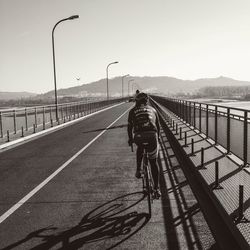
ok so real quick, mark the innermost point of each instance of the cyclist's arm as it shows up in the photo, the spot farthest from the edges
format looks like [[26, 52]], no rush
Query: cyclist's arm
[[130, 126]]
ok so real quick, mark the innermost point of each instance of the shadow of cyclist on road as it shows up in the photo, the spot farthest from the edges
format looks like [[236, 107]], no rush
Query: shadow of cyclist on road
[[101, 129]]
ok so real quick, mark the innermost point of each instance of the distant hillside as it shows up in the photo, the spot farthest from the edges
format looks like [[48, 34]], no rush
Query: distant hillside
[[159, 84], [15, 95]]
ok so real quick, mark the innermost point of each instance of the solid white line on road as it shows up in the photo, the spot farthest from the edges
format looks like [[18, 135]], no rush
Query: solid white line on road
[[41, 185]]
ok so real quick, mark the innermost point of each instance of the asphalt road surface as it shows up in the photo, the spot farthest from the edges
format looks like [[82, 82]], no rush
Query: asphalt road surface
[[75, 189]]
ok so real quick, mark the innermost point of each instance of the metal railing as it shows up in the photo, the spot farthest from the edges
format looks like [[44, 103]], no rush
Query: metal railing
[[28, 120], [225, 232], [227, 126]]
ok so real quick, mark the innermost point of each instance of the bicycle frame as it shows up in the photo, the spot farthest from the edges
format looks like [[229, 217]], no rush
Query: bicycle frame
[[147, 180]]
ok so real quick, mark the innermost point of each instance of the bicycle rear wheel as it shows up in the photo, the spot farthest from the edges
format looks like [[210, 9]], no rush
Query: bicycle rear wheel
[[151, 183]]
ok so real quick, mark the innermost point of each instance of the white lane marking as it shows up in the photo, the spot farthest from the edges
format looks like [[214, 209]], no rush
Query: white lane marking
[[36, 189]]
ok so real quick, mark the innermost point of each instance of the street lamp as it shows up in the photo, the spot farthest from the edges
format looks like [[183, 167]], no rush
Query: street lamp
[[54, 60], [108, 78], [122, 82], [129, 83]]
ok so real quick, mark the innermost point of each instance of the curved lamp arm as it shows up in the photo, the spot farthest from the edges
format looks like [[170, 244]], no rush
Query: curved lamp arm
[[108, 78], [54, 60]]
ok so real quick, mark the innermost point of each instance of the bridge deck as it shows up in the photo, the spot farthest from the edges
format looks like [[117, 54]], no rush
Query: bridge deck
[[94, 201]]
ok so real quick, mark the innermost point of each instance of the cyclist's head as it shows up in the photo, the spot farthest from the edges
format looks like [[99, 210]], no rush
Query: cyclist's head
[[141, 98], [137, 91]]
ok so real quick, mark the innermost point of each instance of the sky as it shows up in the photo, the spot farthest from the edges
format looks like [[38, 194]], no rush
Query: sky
[[184, 39]]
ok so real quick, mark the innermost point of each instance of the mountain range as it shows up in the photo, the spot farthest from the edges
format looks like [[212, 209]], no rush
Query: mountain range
[[157, 84], [15, 95]]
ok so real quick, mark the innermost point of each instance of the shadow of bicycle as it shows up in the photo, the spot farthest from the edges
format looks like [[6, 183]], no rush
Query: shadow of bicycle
[[112, 220]]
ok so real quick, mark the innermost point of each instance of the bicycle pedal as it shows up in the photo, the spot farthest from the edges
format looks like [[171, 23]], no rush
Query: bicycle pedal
[[156, 196]]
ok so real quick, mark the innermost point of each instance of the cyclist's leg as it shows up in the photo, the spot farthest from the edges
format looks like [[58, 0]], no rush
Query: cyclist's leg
[[153, 156], [155, 172], [139, 154]]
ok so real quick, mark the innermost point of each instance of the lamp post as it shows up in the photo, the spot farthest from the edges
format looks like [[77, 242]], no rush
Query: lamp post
[[54, 60], [129, 83], [122, 82], [107, 72]]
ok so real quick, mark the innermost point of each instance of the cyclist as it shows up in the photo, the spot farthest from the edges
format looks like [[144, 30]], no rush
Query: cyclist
[[136, 93], [143, 121]]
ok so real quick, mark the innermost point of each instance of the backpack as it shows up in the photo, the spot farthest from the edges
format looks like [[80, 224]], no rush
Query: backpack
[[144, 119]]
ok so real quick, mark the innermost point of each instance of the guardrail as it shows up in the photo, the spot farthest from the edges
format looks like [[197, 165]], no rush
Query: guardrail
[[26, 120], [225, 232], [227, 126]]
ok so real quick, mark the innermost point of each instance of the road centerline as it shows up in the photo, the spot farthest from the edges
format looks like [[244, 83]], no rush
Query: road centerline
[[10, 211]]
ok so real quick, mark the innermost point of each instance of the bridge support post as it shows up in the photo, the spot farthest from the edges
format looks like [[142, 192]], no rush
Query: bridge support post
[[8, 135], [217, 184], [14, 117], [241, 218], [228, 131], [22, 132], [185, 139], [192, 147], [43, 118], [1, 125], [202, 159], [26, 119], [180, 133], [245, 140]]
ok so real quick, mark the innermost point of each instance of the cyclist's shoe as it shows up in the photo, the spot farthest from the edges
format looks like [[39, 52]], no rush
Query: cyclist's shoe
[[157, 194], [138, 174]]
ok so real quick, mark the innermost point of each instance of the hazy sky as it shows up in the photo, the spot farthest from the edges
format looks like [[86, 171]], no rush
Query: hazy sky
[[187, 39]]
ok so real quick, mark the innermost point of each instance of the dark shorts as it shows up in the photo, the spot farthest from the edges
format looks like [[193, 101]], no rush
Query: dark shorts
[[149, 138]]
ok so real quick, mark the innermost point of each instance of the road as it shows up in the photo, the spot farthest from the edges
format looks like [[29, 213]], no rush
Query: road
[[75, 189]]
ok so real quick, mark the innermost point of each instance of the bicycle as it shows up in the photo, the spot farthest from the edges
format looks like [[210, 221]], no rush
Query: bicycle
[[147, 179]]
